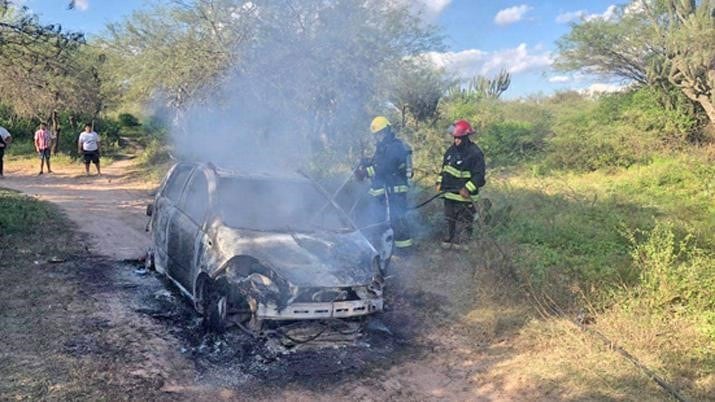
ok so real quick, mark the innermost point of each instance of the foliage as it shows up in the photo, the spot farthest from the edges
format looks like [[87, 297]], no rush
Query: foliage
[[673, 272], [616, 130], [44, 69], [417, 88], [480, 87], [317, 65], [128, 120], [663, 43], [511, 141], [23, 130], [690, 64], [571, 230], [179, 50]]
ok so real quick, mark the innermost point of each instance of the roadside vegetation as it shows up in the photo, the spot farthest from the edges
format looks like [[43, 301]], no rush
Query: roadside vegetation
[[603, 213]]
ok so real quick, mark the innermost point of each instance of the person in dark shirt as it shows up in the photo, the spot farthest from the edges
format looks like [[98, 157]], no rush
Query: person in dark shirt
[[462, 175], [389, 170]]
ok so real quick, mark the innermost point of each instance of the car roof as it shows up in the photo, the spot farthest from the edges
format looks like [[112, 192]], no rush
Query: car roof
[[224, 172]]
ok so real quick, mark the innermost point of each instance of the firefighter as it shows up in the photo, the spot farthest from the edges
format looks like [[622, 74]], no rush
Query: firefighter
[[389, 170], [462, 174]]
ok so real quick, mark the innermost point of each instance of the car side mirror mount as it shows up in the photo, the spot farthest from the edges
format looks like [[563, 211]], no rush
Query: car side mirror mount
[[149, 209]]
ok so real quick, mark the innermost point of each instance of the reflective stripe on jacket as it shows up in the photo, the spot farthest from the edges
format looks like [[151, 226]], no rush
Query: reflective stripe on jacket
[[388, 169], [462, 167]]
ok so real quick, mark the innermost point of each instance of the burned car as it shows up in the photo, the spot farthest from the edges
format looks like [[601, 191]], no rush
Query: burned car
[[246, 248]]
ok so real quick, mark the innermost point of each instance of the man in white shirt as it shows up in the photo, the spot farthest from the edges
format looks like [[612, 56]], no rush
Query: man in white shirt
[[5, 140], [88, 145]]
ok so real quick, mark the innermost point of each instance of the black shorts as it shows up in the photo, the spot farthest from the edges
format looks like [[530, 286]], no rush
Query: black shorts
[[91, 156]]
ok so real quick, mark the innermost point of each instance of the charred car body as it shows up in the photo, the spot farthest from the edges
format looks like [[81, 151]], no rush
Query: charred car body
[[251, 247]]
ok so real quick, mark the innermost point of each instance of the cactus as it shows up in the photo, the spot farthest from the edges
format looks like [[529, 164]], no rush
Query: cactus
[[480, 87], [690, 52]]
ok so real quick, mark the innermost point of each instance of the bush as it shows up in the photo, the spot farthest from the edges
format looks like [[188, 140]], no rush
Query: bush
[[617, 130], [128, 120], [510, 142], [673, 272]]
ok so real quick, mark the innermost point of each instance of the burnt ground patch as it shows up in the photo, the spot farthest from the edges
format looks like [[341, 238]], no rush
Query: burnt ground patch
[[87, 327], [280, 356]]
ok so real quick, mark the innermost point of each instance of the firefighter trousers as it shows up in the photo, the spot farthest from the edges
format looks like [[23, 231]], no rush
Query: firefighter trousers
[[398, 218], [460, 220]]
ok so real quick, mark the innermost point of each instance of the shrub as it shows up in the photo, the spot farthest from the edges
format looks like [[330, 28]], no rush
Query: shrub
[[510, 141], [673, 272], [128, 120]]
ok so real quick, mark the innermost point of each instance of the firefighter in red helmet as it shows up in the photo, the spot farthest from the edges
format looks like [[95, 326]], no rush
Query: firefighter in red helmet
[[462, 175]]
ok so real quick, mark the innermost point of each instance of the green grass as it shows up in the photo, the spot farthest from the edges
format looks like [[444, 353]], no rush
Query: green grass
[[21, 215], [30, 228], [636, 247], [571, 229]]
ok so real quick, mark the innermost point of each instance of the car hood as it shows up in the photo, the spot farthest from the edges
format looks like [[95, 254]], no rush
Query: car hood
[[321, 259]]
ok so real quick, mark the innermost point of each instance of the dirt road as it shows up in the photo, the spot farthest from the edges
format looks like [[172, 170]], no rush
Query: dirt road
[[110, 208], [153, 345]]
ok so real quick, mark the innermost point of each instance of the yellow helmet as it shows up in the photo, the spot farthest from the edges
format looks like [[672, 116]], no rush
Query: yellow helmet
[[379, 123]]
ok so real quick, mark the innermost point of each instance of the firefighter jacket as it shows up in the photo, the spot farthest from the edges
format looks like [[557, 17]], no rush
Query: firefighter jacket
[[462, 167], [388, 168]]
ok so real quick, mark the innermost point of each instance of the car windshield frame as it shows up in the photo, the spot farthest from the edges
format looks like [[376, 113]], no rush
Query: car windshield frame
[[263, 205]]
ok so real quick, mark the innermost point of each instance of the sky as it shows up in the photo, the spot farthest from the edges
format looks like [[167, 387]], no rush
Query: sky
[[481, 36]]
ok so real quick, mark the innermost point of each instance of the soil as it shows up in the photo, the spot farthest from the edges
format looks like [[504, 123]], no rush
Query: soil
[[102, 327]]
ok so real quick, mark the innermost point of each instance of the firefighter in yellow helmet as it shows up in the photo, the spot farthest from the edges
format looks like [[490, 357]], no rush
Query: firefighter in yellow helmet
[[389, 170]]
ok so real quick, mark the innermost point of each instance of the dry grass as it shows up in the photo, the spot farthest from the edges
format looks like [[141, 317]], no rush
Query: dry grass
[[59, 162]]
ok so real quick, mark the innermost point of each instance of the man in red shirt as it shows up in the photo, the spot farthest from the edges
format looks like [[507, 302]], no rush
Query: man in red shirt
[[43, 142]]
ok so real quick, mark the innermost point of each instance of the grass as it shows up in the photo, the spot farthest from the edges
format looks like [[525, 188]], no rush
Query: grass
[[635, 247], [26, 222]]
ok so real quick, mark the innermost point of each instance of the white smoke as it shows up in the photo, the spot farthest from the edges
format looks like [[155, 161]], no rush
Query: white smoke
[[304, 84]]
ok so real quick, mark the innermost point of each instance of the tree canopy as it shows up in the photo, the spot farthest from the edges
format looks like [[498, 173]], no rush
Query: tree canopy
[[652, 42]]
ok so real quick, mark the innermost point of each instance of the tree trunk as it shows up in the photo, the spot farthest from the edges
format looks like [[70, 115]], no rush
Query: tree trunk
[[703, 100], [56, 129]]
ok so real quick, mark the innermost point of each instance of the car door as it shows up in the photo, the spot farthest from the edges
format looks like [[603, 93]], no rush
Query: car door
[[165, 206], [186, 229]]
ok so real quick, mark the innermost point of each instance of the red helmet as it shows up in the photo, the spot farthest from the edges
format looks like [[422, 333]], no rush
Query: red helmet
[[461, 128]]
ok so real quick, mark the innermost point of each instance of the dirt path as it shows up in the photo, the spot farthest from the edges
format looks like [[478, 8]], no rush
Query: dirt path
[[431, 354], [109, 208]]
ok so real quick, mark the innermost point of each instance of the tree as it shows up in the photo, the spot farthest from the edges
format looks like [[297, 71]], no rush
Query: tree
[[311, 69], [690, 51], [45, 70], [176, 52], [663, 43], [417, 88]]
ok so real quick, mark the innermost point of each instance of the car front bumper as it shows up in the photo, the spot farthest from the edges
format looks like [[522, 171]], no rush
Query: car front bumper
[[311, 311]]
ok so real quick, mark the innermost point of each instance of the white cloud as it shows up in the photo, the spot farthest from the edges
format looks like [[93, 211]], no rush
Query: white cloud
[[435, 6], [581, 15], [471, 62], [601, 88], [608, 15], [559, 78], [569, 16], [81, 5], [511, 15]]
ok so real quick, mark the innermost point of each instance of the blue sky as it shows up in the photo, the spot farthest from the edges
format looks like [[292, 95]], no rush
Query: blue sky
[[482, 36]]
